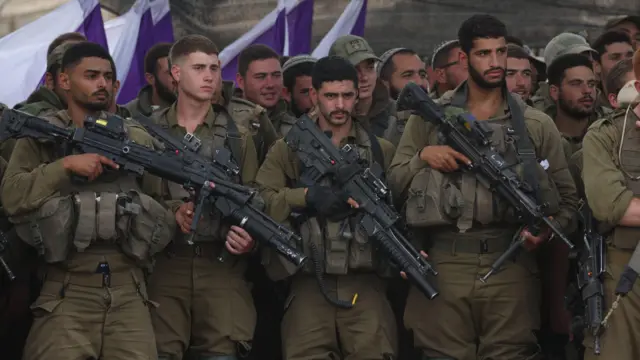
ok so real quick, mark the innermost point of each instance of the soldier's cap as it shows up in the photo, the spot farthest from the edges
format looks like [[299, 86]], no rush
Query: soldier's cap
[[297, 60], [563, 44], [445, 45], [55, 58], [353, 48], [622, 19], [636, 64], [384, 59]]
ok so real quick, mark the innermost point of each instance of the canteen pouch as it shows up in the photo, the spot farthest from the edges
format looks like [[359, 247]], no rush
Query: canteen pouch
[[433, 199], [49, 229]]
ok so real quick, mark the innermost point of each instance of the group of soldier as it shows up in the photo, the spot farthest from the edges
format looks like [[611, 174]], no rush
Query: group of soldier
[[109, 268]]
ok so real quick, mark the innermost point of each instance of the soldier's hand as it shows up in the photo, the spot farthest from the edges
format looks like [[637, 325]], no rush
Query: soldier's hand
[[87, 165], [424, 255], [532, 242], [184, 217], [443, 158], [239, 241]]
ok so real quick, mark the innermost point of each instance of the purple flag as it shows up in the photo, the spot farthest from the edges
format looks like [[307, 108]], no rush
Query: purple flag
[[299, 21], [272, 36], [358, 27], [93, 27], [162, 22], [135, 79]]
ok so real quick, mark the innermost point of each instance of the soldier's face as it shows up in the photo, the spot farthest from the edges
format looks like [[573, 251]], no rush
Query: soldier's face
[[262, 84], [614, 53], [577, 93], [300, 97], [519, 77], [89, 83], [163, 83], [487, 62], [453, 73], [407, 68], [197, 75], [335, 101], [367, 78]]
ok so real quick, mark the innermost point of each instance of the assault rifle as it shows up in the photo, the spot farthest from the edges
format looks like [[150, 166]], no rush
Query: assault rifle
[[320, 158], [209, 180], [592, 266], [472, 139]]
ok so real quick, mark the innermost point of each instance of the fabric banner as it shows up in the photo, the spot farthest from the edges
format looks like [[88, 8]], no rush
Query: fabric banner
[[351, 22], [299, 27], [24, 51]]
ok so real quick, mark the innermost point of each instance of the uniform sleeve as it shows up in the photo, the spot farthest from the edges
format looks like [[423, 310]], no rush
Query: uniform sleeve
[[250, 163], [269, 134], [549, 146], [406, 162], [272, 182], [604, 183], [30, 179]]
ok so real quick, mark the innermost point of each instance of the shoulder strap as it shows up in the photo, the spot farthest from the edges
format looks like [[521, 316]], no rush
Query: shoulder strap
[[376, 149], [524, 146], [234, 140]]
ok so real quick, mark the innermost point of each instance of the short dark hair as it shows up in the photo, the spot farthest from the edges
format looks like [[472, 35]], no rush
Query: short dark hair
[[441, 58], [514, 40], [283, 59], [556, 71], [289, 77], [77, 52], [615, 78], [389, 67], [333, 68], [61, 39], [481, 26], [190, 44], [253, 53], [157, 52], [606, 39], [515, 51]]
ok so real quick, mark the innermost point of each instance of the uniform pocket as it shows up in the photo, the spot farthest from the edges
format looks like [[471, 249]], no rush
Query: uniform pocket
[[434, 199]]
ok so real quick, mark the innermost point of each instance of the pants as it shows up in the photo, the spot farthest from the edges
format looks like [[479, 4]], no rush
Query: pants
[[621, 339], [205, 306], [313, 329], [76, 317], [470, 320]]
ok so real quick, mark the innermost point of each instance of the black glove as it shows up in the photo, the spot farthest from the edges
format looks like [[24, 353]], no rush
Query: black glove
[[328, 202]]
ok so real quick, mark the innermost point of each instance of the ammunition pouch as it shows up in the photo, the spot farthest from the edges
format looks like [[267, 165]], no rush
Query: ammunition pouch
[[433, 200]]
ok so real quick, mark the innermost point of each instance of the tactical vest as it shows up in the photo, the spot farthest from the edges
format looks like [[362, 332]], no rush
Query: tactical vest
[[223, 135], [458, 199], [344, 245], [628, 162], [109, 212], [249, 115]]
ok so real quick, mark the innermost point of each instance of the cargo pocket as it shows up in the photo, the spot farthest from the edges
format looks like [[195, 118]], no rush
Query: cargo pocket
[[48, 301], [242, 317], [433, 200]]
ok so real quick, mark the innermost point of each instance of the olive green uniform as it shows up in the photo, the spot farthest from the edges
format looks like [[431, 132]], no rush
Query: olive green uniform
[[254, 117], [470, 319], [281, 118], [95, 238], [397, 123], [381, 111], [313, 328], [142, 105], [205, 305], [542, 101], [610, 183]]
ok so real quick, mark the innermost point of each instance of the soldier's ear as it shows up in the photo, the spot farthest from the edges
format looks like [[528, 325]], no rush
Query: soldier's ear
[[175, 72], [240, 81], [637, 85], [151, 80], [286, 94], [64, 81], [313, 95], [463, 58], [49, 80], [613, 100], [554, 92]]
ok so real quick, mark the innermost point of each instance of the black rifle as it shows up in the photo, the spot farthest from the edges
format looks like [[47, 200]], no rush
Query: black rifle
[[472, 139], [320, 158], [4, 246], [208, 179], [591, 269]]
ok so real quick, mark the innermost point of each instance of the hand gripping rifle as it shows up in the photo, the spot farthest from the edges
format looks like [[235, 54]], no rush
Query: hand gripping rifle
[[472, 139], [321, 158], [209, 180]]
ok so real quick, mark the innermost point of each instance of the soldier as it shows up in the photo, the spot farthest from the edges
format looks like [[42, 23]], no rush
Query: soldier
[[260, 109], [159, 93], [448, 70], [399, 66], [474, 226], [620, 75], [374, 108], [205, 305], [313, 327], [519, 72], [114, 108], [297, 84], [611, 47], [629, 24], [93, 303], [610, 178]]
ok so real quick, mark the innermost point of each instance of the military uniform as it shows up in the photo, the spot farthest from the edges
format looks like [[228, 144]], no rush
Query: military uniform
[[205, 305], [312, 327], [142, 104], [254, 117], [471, 230], [397, 123], [281, 118], [610, 171], [95, 238], [380, 113], [542, 101]]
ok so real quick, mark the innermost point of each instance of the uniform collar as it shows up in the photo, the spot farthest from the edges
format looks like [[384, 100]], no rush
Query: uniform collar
[[172, 116]]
